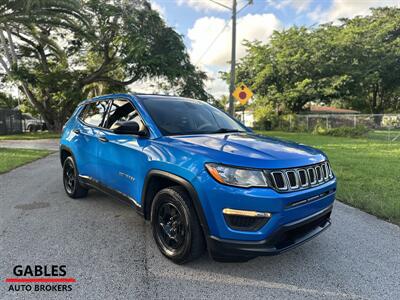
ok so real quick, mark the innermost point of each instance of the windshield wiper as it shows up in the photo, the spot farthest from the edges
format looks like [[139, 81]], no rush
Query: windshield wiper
[[226, 130]]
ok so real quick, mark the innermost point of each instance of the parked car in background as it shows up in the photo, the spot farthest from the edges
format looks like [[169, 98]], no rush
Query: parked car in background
[[32, 124], [202, 178]]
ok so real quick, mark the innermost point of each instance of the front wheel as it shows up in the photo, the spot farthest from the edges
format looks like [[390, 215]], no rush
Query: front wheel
[[175, 225], [72, 186]]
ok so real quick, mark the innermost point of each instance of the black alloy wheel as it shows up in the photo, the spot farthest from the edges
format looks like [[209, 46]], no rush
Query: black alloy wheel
[[171, 227], [69, 177], [175, 225], [72, 186]]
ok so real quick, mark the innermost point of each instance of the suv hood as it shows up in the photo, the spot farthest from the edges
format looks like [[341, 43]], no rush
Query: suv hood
[[248, 150]]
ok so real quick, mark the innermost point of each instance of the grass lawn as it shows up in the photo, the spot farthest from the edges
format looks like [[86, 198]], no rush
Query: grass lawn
[[12, 158], [30, 136], [385, 135], [368, 171]]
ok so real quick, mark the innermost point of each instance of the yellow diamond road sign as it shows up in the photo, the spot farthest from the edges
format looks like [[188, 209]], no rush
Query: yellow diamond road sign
[[242, 93]]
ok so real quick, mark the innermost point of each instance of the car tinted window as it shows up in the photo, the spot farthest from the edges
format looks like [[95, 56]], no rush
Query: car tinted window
[[93, 113], [175, 116], [122, 110]]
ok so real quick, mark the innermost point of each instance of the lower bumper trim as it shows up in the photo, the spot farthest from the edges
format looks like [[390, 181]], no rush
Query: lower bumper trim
[[285, 238]]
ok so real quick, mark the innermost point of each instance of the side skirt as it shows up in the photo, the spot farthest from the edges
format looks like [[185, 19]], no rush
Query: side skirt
[[90, 182]]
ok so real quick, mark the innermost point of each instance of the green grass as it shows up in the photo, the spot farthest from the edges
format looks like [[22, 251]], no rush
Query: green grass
[[30, 136], [368, 171], [385, 135], [12, 158]]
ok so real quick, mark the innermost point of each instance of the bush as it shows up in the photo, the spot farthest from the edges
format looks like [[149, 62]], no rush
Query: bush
[[354, 132], [266, 118]]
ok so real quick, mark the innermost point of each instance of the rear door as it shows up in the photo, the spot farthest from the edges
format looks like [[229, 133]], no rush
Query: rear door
[[121, 157], [87, 134]]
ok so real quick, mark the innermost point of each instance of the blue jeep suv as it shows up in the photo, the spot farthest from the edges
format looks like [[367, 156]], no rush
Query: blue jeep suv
[[203, 179]]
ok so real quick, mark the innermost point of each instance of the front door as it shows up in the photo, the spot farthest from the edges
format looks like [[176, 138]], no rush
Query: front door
[[121, 158], [86, 137]]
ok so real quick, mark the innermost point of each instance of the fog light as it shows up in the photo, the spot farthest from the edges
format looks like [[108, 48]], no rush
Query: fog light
[[246, 213], [245, 220]]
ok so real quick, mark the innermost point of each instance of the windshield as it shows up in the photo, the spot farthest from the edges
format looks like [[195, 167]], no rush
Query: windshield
[[180, 116]]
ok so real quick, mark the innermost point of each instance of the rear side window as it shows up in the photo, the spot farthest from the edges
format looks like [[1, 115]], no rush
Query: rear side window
[[93, 113]]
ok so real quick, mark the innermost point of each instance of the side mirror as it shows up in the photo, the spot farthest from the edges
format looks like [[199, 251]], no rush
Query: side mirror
[[128, 127]]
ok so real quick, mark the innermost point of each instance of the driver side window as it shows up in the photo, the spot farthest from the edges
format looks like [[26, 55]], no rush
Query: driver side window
[[122, 110]]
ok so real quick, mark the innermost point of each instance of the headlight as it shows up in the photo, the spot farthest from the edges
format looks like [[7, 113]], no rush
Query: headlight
[[236, 176]]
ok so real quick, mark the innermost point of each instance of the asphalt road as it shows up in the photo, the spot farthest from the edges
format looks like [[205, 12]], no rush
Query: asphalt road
[[109, 249]]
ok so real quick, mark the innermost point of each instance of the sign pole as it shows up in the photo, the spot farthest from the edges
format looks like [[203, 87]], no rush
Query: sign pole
[[233, 61]]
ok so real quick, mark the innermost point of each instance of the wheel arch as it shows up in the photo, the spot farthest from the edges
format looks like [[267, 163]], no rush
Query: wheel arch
[[64, 153], [158, 179]]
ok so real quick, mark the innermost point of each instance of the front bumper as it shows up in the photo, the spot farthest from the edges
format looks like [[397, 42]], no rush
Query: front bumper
[[284, 238], [284, 208]]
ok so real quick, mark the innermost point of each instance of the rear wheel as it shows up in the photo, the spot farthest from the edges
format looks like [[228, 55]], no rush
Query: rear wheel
[[72, 186], [176, 228]]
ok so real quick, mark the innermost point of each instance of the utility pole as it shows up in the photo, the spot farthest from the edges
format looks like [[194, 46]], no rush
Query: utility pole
[[231, 109], [233, 61]]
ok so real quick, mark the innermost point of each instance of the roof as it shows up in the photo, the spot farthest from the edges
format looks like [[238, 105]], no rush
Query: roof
[[314, 109], [137, 95]]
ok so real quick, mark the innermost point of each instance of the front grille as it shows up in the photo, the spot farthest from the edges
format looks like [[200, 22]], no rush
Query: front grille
[[300, 178]]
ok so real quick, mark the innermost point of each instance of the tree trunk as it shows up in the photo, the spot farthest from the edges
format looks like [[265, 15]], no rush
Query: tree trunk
[[53, 122]]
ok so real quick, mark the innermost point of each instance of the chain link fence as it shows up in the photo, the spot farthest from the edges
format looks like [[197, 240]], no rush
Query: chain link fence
[[10, 121], [377, 126]]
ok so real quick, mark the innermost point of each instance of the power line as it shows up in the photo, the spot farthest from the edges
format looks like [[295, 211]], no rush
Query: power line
[[243, 7], [219, 34], [220, 4], [212, 43]]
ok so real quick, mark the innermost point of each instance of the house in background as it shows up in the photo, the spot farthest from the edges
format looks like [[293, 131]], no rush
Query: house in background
[[246, 117]]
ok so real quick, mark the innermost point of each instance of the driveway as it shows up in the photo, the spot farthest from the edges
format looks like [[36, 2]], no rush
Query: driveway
[[110, 251], [46, 144]]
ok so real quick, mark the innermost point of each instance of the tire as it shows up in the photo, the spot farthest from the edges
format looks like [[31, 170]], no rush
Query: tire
[[30, 128], [175, 225], [72, 186]]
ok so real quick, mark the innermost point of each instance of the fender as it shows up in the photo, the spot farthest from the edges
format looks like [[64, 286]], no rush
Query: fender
[[63, 147], [181, 181]]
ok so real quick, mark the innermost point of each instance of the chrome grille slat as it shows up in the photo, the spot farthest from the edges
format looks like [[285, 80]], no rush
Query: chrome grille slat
[[318, 171], [325, 170], [304, 172], [292, 175], [276, 177], [301, 178], [313, 178]]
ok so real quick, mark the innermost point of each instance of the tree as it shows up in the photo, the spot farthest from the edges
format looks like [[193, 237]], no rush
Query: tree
[[372, 60], [356, 63], [7, 101], [60, 63], [19, 15]]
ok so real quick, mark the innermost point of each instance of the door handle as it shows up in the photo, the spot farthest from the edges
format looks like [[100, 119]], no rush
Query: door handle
[[103, 139], [76, 131]]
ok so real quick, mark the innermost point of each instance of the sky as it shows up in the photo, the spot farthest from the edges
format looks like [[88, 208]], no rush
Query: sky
[[206, 26]]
